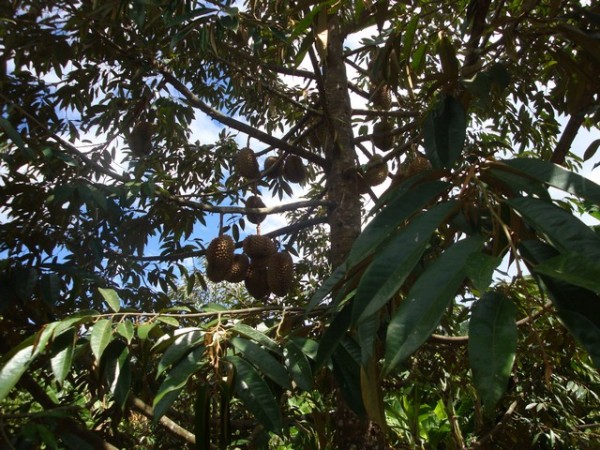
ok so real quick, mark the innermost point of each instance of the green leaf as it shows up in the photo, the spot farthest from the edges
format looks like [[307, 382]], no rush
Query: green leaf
[[261, 338], [480, 269], [256, 395], [578, 308], [126, 330], [117, 369], [556, 176], [61, 355], [112, 298], [400, 208], [346, 368], [298, 365], [168, 320], [12, 133], [561, 228], [100, 337], [444, 131], [175, 381], [144, 329], [591, 150], [371, 392], [420, 313], [492, 346], [388, 271], [263, 360], [181, 345], [14, 368], [202, 417], [333, 334], [573, 268], [338, 275]]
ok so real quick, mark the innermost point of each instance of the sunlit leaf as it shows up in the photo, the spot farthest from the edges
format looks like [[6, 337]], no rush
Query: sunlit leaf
[[112, 298], [263, 360], [100, 336], [61, 355]]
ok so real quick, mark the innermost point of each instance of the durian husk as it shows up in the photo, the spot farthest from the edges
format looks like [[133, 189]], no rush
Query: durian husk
[[294, 170], [381, 139], [239, 268], [277, 171], [382, 97], [256, 246], [140, 139], [416, 165], [256, 281], [377, 171], [247, 164], [219, 257], [280, 273], [254, 201]]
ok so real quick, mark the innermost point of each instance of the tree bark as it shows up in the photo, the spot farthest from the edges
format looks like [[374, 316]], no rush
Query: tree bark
[[351, 431]]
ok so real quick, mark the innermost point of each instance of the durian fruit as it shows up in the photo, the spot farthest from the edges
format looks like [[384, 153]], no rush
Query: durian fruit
[[254, 201], [417, 164], [280, 273], [277, 171], [247, 164], [319, 135], [219, 257], [382, 97], [256, 281], [377, 171], [294, 170], [381, 139], [239, 268], [140, 139], [257, 247]]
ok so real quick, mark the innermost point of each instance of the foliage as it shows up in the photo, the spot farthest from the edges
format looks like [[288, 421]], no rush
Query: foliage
[[455, 306]]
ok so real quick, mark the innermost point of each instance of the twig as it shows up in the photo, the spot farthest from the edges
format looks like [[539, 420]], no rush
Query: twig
[[509, 412], [169, 424]]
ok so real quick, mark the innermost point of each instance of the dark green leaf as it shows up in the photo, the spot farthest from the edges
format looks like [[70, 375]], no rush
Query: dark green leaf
[[202, 418], [338, 275], [390, 267], [573, 268], [257, 336], [444, 132], [561, 228], [591, 150], [298, 365], [117, 370], [492, 346], [256, 395], [480, 269], [175, 381], [263, 360], [331, 338], [346, 368], [420, 313]]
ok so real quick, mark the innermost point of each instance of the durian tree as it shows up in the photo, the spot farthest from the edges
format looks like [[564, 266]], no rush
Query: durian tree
[[435, 284]]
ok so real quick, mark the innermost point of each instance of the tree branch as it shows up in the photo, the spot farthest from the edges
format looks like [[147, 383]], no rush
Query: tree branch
[[236, 124], [169, 424], [566, 139], [509, 412]]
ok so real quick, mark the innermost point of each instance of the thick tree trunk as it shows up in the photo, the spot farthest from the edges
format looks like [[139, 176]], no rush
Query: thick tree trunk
[[351, 431]]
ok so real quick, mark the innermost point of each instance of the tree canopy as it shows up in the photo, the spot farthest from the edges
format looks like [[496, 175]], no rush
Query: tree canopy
[[299, 224]]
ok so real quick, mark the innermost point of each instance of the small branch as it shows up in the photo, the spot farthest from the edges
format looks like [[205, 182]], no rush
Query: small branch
[[566, 139], [383, 113], [174, 428], [509, 412]]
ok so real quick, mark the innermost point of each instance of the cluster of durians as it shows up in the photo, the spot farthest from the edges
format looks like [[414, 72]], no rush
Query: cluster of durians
[[261, 267], [291, 167]]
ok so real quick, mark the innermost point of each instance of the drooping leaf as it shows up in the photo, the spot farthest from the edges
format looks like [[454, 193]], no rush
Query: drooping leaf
[[61, 355], [480, 269], [573, 268], [338, 275], [372, 394], [202, 418], [578, 308], [346, 367], [332, 336], [261, 338], [176, 379], [263, 360], [564, 231], [492, 346], [420, 313], [14, 368], [112, 298], [100, 336], [256, 395], [180, 346], [556, 176], [388, 271], [117, 369], [444, 131], [298, 365]]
